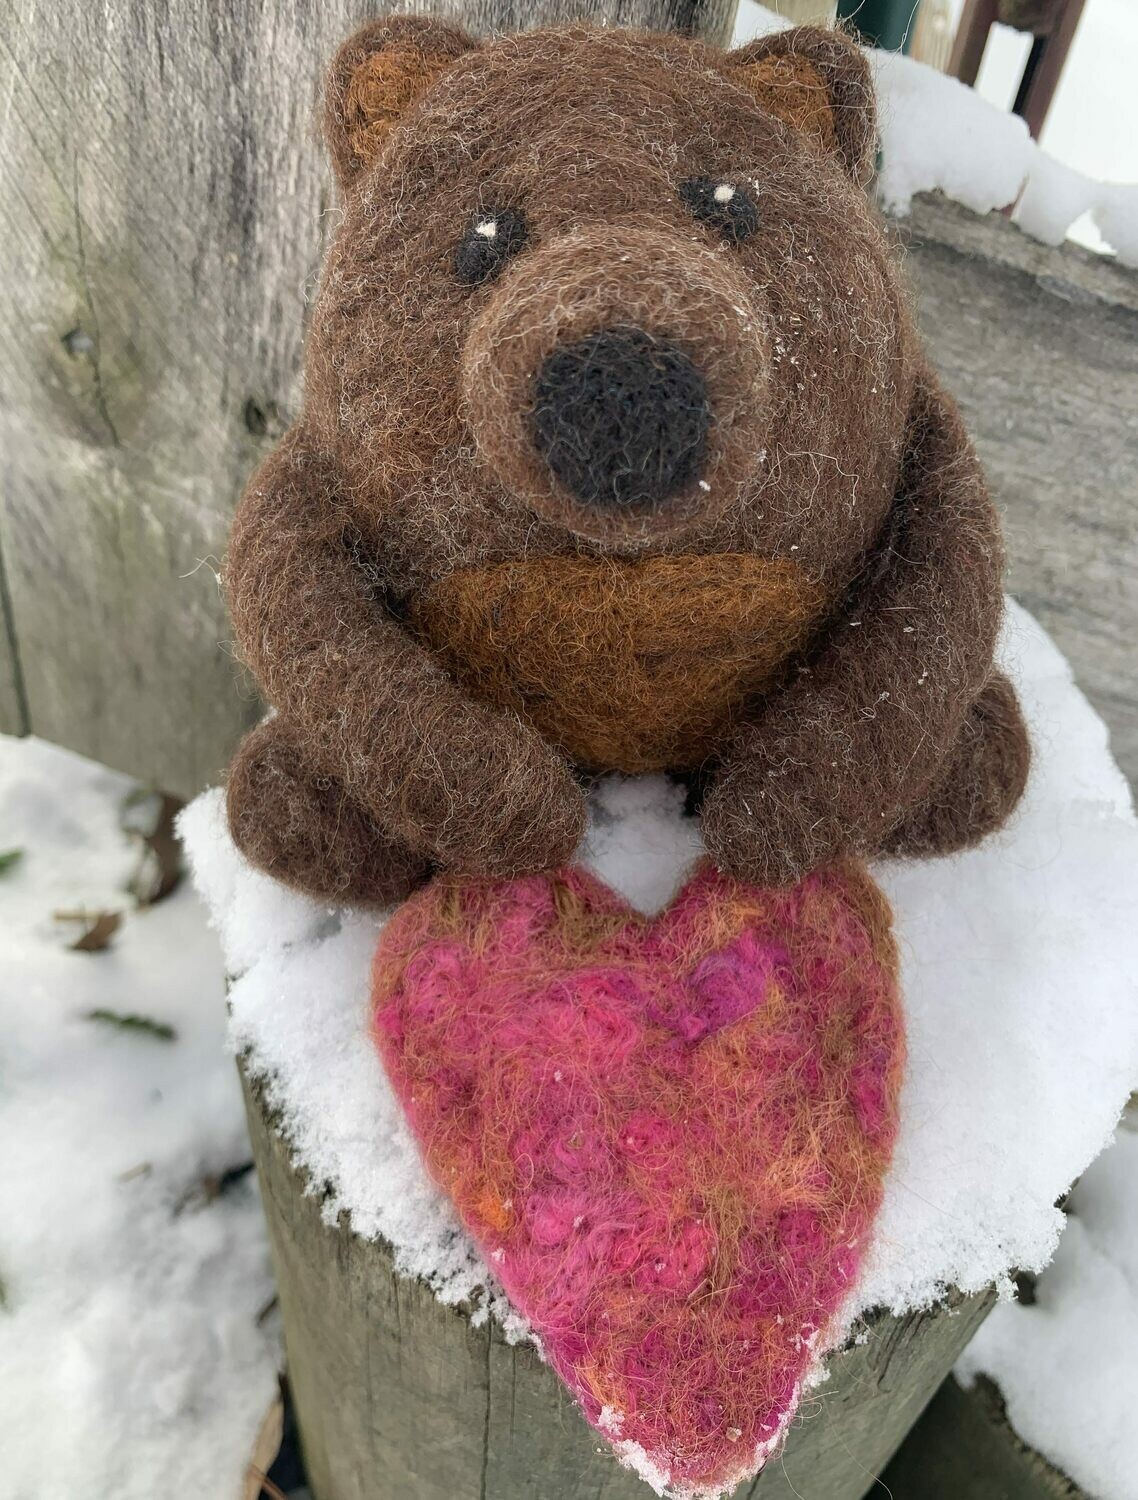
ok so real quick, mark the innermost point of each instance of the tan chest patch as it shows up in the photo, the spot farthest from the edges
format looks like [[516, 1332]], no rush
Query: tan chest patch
[[627, 666]]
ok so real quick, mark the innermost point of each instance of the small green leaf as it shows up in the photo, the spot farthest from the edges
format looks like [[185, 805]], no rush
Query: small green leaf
[[10, 857], [149, 1027]]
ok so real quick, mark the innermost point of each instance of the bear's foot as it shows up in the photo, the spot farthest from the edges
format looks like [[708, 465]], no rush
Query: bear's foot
[[303, 828], [979, 785]]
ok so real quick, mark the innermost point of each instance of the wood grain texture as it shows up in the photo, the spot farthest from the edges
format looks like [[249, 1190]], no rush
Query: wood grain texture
[[805, 12], [712, 19], [13, 704], [163, 205], [154, 172], [964, 1448], [1040, 348], [397, 1395]]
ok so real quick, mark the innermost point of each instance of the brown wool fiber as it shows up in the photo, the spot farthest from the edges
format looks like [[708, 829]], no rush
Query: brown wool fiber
[[466, 576], [627, 666]]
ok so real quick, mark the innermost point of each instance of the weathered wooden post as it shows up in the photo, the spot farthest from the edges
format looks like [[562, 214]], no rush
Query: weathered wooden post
[[399, 1396]]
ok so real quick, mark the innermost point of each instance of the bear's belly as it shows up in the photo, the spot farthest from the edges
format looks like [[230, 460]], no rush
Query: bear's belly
[[626, 665]]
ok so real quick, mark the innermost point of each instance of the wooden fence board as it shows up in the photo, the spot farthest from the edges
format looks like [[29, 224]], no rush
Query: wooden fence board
[[13, 709], [1040, 347], [157, 164]]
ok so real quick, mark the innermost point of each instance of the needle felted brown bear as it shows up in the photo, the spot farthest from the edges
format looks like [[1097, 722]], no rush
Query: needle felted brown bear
[[619, 452]]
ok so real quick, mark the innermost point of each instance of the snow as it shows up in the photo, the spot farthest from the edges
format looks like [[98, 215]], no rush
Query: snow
[[938, 134], [1066, 1364], [300, 1006], [131, 1361], [1018, 974]]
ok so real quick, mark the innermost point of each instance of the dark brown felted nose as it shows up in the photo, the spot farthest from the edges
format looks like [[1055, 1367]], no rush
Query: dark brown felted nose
[[622, 418]]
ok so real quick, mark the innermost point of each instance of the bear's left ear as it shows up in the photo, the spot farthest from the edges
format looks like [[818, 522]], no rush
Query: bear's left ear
[[819, 82], [377, 75]]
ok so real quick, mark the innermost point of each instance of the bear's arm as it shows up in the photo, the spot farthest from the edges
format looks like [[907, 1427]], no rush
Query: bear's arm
[[832, 763], [472, 787]]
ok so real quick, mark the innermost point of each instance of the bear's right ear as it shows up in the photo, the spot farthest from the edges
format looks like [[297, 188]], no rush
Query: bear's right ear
[[377, 75], [818, 81]]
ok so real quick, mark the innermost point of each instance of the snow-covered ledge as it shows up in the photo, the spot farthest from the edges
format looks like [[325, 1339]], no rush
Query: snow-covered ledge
[[939, 135], [1019, 964]]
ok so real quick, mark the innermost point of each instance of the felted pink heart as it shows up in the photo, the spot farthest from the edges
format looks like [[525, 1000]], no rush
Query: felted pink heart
[[667, 1136]]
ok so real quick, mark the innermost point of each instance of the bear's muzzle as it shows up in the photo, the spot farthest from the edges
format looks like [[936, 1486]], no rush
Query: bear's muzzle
[[616, 381]]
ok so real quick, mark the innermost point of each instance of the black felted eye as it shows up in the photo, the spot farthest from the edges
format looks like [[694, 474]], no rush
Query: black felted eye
[[722, 206], [488, 244]]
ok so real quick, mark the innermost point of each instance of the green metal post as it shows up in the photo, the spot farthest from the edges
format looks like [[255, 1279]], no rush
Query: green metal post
[[881, 23]]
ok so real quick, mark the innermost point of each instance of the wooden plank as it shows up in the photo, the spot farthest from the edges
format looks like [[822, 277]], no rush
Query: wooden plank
[[156, 171], [1040, 347], [964, 1448], [976, 21], [163, 201], [13, 706], [712, 19], [397, 1395], [805, 12]]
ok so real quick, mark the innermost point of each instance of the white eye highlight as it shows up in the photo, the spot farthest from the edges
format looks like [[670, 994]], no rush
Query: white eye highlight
[[732, 210], [490, 240]]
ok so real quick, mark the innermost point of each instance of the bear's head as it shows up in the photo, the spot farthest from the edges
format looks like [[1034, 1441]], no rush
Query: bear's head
[[613, 361]]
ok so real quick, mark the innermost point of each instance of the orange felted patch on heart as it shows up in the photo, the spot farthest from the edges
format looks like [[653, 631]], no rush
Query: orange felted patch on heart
[[667, 1135]]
